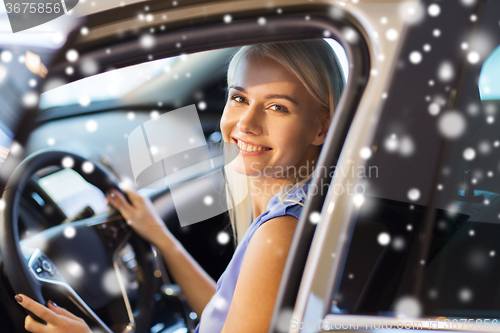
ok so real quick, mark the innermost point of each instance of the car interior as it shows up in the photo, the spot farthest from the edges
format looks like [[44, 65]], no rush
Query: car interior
[[425, 234], [76, 245]]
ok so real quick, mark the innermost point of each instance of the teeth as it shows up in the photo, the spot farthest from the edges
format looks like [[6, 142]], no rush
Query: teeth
[[247, 147]]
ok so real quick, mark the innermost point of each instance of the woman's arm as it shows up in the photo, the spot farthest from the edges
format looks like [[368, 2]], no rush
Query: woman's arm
[[195, 283], [260, 275]]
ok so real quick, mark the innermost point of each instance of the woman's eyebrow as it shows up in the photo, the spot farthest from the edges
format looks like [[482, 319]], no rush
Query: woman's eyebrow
[[237, 88], [288, 98]]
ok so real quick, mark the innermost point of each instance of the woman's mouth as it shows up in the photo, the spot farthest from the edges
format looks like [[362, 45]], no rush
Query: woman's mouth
[[248, 147]]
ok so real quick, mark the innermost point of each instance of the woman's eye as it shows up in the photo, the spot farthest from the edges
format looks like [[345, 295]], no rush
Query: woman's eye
[[238, 99], [279, 108]]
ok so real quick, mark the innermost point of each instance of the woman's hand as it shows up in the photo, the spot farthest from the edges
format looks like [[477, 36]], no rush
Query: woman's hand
[[140, 215], [58, 320], [195, 283]]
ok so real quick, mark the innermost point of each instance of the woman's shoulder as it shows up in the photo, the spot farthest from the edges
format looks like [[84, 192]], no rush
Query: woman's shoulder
[[288, 202]]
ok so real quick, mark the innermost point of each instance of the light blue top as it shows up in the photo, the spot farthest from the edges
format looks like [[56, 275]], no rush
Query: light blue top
[[214, 314]]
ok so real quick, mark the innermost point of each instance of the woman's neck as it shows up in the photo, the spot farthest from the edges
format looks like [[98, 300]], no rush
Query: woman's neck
[[262, 189]]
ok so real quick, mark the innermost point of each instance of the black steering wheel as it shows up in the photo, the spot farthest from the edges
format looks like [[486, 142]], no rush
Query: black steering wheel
[[48, 259]]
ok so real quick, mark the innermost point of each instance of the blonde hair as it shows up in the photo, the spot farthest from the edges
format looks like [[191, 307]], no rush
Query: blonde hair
[[316, 65]]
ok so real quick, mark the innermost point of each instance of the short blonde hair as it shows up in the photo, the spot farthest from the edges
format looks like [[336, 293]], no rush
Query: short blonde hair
[[316, 65]]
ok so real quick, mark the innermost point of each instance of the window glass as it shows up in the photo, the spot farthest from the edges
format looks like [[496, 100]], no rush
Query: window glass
[[134, 95], [126, 84]]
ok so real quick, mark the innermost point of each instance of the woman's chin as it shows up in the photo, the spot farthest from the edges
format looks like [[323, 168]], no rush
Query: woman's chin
[[246, 170]]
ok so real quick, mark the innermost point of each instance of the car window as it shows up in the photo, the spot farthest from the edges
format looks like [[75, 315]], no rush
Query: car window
[[115, 84], [425, 236], [132, 96], [134, 84]]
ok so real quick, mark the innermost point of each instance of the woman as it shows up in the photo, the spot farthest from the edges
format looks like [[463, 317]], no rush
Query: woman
[[280, 104]]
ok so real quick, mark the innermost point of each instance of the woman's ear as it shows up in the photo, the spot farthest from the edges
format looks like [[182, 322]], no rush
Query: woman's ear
[[323, 126]]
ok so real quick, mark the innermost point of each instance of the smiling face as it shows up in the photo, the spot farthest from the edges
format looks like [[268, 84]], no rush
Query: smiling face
[[273, 119]]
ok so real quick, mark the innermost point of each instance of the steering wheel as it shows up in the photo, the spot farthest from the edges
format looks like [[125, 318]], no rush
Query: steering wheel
[[42, 261]]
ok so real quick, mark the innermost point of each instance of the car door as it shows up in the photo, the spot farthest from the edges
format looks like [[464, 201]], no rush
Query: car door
[[415, 247], [177, 28]]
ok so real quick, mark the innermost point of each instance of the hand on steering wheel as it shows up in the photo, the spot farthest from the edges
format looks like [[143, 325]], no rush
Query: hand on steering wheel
[[58, 320], [139, 214], [142, 217], [39, 261]]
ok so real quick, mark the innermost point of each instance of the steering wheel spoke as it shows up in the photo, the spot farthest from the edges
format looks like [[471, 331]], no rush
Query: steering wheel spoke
[[43, 268], [102, 235], [47, 274]]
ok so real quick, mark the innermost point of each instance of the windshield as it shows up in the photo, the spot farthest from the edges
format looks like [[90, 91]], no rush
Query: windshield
[[115, 84]]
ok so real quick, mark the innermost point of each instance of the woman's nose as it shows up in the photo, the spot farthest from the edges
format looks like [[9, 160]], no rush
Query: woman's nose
[[250, 121]]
